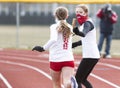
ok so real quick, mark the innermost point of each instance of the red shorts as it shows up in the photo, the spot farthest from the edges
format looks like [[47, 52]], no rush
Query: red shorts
[[57, 66]]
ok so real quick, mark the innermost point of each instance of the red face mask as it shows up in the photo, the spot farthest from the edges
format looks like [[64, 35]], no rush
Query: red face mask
[[81, 19]]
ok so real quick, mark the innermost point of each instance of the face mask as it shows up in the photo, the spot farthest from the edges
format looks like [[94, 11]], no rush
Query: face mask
[[81, 19]]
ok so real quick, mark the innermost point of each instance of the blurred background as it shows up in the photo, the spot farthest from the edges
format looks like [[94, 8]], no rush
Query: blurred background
[[24, 24]]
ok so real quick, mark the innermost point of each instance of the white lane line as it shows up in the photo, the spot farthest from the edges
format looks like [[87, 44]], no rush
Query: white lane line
[[44, 55], [5, 81], [112, 60], [27, 66], [1, 49], [44, 61], [95, 76], [102, 79], [109, 65], [105, 64], [30, 67], [24, 59], [108, 82]]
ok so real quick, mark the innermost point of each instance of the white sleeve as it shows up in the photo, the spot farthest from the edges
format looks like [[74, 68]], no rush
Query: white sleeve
[[53, 37]]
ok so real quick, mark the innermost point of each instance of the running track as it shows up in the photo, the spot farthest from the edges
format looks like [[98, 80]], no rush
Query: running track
[[28, 69]]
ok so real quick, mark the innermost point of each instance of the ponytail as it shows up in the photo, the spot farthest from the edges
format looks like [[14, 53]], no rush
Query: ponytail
[[64, 29]]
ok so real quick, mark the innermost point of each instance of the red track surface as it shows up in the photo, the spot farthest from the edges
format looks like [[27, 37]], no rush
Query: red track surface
[[28, 69]]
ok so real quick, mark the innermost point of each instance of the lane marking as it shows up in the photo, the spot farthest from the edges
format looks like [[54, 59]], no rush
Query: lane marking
[[1, 49], [45, 74], [28, 66], [45, 56], [95, 76], [5, 81], [105, 64], [24, 59], [111, 60], [109, 65], [102, 79], [106, 81], [36, 60]]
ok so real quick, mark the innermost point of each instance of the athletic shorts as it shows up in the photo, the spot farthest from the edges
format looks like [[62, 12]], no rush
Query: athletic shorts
[[57, 66]]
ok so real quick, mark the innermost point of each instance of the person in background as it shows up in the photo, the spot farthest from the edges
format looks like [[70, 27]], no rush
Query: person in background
[[107, 19], [60, 49], [90, 52]]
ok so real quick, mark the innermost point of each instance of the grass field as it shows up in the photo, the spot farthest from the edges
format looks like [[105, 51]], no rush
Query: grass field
[[28, 36]]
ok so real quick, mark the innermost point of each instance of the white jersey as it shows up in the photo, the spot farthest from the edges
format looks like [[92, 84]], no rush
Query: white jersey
[[59, 47], [89, 44]]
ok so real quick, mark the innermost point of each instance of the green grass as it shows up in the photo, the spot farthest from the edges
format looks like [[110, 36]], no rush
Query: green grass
[[29, 36]]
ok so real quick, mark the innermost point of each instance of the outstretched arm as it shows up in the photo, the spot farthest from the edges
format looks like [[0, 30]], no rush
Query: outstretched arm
[[53, 39], [75, 44]]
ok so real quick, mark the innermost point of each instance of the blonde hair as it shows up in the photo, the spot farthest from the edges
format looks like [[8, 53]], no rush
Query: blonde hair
[[61, 13]]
